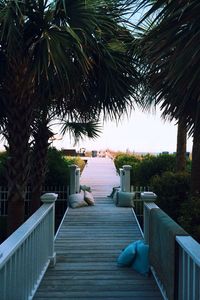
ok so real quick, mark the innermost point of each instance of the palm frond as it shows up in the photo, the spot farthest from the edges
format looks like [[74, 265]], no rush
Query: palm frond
[[80, 130]]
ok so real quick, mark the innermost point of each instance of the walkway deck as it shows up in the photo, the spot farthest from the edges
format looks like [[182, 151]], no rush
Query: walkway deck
[[88, 244]]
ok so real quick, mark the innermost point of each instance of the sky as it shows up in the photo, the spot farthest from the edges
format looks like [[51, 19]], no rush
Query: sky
[[141, 132]]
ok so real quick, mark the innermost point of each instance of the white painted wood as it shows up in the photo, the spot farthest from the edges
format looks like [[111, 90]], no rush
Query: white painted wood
[[77, 182], [121, 174], [127, 178], [189, 268], [26, 254], [88, 244], [72, 185], [147, 207]]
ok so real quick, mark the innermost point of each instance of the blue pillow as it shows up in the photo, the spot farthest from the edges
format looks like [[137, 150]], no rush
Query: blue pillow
[[127, 256], [141, 262]]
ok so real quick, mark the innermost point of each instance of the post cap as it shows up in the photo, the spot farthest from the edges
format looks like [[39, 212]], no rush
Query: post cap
[[148, 196], [127, 167], [73, 166], [49, 197]]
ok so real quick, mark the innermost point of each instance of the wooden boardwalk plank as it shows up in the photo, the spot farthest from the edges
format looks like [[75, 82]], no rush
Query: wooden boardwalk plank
[[88, 244]]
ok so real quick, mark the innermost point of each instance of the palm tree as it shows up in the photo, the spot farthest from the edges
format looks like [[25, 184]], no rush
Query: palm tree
[[170, 49], [41, 134], [49, 51], [181, 146], [148, 23]]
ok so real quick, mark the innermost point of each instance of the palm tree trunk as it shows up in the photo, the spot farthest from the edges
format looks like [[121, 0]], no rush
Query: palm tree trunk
[[18, 131], [39, 162], [181, 146], [195, 172]]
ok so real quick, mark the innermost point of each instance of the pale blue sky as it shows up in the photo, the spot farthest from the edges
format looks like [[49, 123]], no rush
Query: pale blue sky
[[142, 132]]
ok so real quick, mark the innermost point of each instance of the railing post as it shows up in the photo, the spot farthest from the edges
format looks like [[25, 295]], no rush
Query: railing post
[[127, 178], [121, 173], [72, 184], [46, 199], [148, 198], [77, 181]]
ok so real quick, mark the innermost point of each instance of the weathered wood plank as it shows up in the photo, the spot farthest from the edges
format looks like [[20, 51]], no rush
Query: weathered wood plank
[[88, 244]]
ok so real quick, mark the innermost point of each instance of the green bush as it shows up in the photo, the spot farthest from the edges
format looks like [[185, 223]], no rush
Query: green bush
[[145, 167], [172, 190], [125, 159], [58, 167], [77, 161], [189, 217], [152, 165]]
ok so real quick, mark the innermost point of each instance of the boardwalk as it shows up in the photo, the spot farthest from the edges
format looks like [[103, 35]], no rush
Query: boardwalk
[[88, 244]]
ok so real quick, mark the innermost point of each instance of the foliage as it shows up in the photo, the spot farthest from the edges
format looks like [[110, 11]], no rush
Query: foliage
[[172, 190], [189, 217], [169, 52], [58, 167], [122, 159], [152, 165], [75, 160], [145, 167]]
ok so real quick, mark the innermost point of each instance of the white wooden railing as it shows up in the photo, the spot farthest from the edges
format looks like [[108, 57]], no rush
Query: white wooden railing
[[61, 190], [188, 264], [74, 179], [26, 254], [189, 268], [124, 173]]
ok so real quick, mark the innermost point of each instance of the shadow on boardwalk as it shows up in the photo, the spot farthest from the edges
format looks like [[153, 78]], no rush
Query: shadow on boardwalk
[[88, 244]]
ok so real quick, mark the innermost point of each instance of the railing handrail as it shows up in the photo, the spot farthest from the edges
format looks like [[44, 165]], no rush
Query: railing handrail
[[188, 261], [26, 254], [10, 245], [191, 247]]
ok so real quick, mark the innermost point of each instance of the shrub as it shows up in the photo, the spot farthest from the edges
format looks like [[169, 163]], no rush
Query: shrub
[[76, 160], [172, 190], [58, 167], [125, 159], [189, 217], [145, 167], [152, 165]]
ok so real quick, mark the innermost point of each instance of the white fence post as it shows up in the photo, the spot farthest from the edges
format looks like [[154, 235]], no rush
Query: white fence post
[[46, 199], [121, 173], [72, 184], [127, 178], [77, 181]]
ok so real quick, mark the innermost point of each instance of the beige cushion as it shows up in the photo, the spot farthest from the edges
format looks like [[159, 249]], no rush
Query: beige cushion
[[89, 198], [85, 188], [77, 200]]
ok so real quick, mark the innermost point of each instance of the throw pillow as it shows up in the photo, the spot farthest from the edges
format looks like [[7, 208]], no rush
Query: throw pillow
[[141, 262], [85, 188], [127, 256], [77, 200], [125, 199], [89, 198]]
